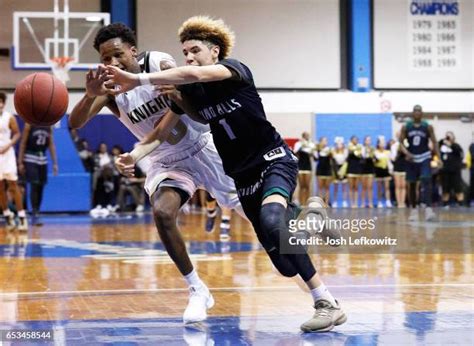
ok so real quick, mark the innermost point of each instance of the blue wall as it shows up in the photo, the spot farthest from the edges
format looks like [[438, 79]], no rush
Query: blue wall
[[107, 129]]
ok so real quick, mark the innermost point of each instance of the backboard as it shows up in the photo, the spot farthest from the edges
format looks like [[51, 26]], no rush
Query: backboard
[[40, 38]]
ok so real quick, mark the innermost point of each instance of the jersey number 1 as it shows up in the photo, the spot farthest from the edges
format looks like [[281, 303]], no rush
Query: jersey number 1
[[227, 129]]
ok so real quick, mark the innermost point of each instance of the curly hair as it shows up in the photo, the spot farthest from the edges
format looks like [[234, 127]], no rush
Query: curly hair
[[113, 31], [3, 97], [204, 28]]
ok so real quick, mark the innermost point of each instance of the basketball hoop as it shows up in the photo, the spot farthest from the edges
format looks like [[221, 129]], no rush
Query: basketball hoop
[[61, 66]]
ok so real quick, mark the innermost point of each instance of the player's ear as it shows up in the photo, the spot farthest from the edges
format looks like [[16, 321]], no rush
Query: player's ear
[[134, 51], [215, 50]]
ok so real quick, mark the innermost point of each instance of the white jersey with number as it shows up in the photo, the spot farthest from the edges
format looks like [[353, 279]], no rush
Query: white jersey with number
[[142, 108], [188, 159], [8, 169]]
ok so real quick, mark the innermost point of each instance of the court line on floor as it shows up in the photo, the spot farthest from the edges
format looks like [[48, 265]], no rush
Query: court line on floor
[[222, 289]]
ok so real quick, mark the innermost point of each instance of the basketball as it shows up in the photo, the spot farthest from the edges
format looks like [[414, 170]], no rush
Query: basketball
[[41, 99]]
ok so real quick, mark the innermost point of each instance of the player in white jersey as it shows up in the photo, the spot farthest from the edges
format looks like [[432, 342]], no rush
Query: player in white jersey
[[9, 135], [186, 159]]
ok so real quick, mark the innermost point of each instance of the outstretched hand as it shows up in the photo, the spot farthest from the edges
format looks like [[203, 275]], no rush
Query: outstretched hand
[[125, 165], [119, 81], [95, 82]]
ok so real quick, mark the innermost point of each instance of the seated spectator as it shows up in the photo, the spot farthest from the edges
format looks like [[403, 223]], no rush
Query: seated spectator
[[134, 187]]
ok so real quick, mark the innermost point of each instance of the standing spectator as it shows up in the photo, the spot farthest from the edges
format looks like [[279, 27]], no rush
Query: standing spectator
[[323, 170], [87, 157], [382, 174], [33, 163], [399, 172], [367, 177], [304, 149], [452, 156], [102, 181], [470, 165], [354, 170], [339, 159]]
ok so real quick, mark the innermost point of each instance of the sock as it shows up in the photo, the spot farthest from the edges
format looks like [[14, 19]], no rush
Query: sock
[[6, 212], [22, 213], [225, 222], [322, 292], [193, 279], [211, 212]]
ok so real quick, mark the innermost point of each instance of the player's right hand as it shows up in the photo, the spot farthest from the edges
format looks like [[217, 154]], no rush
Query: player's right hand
[[170, 91], [125, 165], [95, 82], [21, 168], [409, 157]]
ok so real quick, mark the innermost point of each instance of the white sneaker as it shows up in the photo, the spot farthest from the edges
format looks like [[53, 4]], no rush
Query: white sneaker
[[334, 205], [22, 224], [413, 215], [96, 211], [388, 204], [200, 299], [140, 208], [379, 205], [344, 204], [429, 214]]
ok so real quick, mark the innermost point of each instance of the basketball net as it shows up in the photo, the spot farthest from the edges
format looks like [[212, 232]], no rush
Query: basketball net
[[61, 66]]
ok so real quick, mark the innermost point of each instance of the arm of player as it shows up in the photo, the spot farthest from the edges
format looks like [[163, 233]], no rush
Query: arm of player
[[126, 162], [178, 75], [403, 149], [22, 149], [52, 151], [181, 101]]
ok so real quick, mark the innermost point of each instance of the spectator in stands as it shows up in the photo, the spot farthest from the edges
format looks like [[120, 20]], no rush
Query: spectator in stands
[[87, 157], [452, 156], [135, 187], [367, 178], [382, 174], [399, 172], [304, 149], [354, 170], [470, 165], [103, 187], [324, 169], [339, 163]]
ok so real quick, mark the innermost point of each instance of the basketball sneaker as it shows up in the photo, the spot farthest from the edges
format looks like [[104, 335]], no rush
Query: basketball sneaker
[[210, 220], [200, 299], [429, 214], [325, 318], [317, 209], [10, 220], [413, 215], [23, 224]]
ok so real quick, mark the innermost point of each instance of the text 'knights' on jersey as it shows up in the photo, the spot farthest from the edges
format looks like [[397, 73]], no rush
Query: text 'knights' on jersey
[[234, 110], [142, 109], [418, 137]]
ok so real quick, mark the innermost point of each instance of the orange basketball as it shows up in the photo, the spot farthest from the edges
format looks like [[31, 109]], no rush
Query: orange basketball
[[41, 99]]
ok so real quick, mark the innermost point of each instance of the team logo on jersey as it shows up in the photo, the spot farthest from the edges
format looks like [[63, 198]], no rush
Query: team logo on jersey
[[274, 154], [219, 109], [148, 109]]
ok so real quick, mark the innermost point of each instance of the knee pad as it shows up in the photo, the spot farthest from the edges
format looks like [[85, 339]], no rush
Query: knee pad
[[272, 220]]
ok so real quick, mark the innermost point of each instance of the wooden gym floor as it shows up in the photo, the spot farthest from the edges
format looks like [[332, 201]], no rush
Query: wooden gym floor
[[109, 282]]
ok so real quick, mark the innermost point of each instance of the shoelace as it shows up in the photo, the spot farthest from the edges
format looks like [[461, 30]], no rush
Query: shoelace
[[322, 309]]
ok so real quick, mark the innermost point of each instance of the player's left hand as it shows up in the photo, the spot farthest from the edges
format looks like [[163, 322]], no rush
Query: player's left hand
[[125, 165], [121, 81], [3, 150], [55, 169]]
